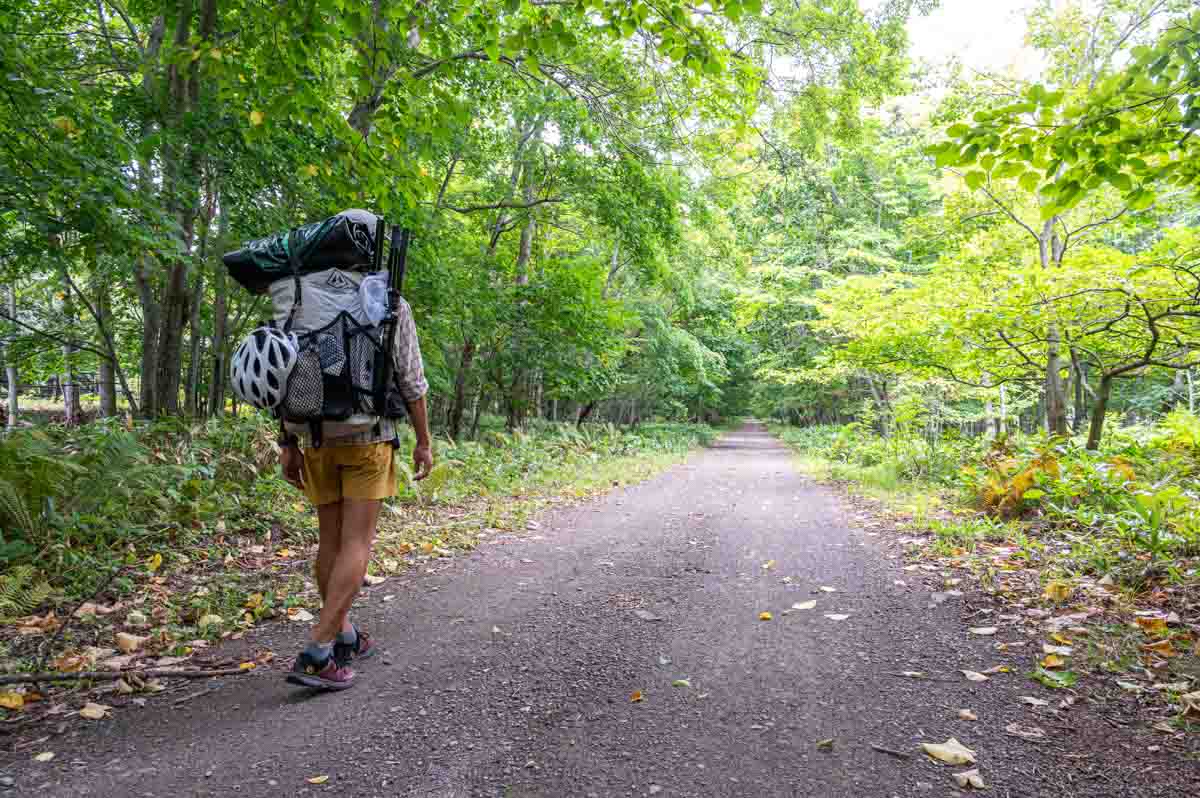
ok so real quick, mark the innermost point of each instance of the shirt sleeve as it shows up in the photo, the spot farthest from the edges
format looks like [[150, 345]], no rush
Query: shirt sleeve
[[410, 370]]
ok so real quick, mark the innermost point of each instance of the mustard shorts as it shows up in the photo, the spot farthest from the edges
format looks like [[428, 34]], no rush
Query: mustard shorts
[[363, 471]]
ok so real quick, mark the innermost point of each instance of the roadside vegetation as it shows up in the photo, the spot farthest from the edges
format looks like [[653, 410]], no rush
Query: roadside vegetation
[[152, 538], [1105, 541]]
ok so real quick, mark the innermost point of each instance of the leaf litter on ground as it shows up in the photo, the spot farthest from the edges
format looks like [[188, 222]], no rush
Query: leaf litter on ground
[[952, 752]]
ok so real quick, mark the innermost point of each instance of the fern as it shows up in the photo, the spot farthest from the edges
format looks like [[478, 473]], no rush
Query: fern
[[22, 591], [13, 512]]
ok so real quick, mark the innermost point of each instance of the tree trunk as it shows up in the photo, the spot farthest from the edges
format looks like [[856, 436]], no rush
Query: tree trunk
[[1080, 369], [216, 385], [106, 369], [10, 368], [1056, 399], [458, 405], [1098, 411], [1002, 426], [70, 389], [197, 336]]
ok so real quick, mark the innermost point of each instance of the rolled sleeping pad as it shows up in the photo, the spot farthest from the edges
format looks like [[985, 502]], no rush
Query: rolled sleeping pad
[[345, 241]]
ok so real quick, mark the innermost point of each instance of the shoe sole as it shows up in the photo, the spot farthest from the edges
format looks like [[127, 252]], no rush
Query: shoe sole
[[317, 683]]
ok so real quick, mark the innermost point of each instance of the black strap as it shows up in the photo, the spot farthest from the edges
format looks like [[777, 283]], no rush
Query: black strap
[[316, 430], [293, 241]]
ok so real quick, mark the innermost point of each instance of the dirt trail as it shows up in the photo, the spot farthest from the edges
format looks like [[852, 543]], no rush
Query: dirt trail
[[509, 672]]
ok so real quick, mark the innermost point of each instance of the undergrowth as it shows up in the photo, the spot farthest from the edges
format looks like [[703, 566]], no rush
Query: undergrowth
[[78, 506]]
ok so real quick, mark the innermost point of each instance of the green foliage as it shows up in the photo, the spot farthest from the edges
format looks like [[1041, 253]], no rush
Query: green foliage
[[22, 590]]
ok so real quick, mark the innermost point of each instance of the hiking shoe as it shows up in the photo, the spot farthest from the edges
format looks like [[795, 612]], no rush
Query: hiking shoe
[[362, 648], [328, 675]]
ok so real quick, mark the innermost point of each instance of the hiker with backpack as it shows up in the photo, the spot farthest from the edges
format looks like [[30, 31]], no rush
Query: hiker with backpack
[[322, 366]]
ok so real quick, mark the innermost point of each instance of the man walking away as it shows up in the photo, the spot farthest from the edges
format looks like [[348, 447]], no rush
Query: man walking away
[[347, 477]]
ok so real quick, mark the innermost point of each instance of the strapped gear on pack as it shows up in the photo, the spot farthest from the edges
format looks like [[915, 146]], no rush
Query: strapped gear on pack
[[343, 324], [262, 367]]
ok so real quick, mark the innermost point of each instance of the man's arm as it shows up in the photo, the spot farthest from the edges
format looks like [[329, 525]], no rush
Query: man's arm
[[423, 451]]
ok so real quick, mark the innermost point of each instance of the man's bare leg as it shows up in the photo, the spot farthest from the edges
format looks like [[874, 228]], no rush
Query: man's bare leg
[[329, 519], [358, 520]]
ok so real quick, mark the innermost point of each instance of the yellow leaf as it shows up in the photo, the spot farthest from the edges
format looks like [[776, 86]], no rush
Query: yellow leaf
[[764, 616], [284, 553], [1161, 647], [1057, 591], [1053, 661], [768, 565], [951, 752], [215, 53], [45, 756], [253, 601], [318, 780], [636, 697], [1152, 626], [974, 676], [154, 563], [427, 548], [12, 700], [93, 711], [248, 666], [256, 118], [64, 124], [311, 170], [1059, 637]]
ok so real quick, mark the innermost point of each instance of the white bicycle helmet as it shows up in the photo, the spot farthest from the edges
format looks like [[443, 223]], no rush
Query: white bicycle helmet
[[261, 366]]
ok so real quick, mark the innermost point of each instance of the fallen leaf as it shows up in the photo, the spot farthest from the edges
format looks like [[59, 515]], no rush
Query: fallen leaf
[[45, 756], [248, 666], [372, 580], [646, 615], [284, 553], [833, 616], [1152, 626], [826, 743], [913, 674], [12, 700], [1033, 702], [636, 698], [983, 631], [253, 601], [1165, 727], [768, 565], [1062, 651], [117, 663], [128, 643], [996, 669], [966, 714], [1053, 661], [804, 605], [1132, 687], [681, 683], [1025, 732], [154, 563], [1191, 704], [1059, 637], [974, 676], [93, 711], [970, 779], [952, 752], [299, 614], [764, 616], [427, 548], [317, 780], [1057, 591], [827, 589], [1160, 647]]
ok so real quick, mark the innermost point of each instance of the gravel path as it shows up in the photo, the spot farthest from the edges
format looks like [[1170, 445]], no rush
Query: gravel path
[[510, 672]]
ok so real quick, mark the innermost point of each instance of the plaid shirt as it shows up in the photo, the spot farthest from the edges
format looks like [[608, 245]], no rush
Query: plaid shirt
[[410, 372]]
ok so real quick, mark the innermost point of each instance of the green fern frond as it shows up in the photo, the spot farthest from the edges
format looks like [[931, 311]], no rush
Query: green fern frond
[[13, 511], [22, 591]]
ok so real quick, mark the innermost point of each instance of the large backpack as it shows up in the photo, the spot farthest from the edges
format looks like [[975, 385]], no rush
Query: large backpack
[[343, 323]]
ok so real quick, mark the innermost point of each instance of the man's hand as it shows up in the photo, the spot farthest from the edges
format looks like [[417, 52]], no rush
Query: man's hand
[[422, 460], [292, 460]]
